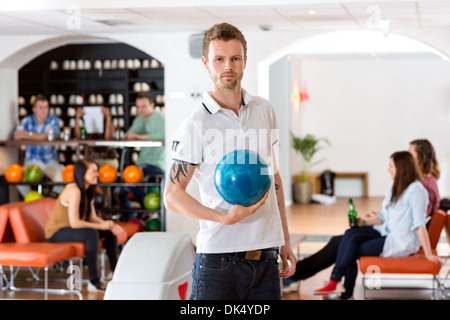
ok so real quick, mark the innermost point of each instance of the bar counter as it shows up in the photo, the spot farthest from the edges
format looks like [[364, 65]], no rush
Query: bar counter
[[91, 143], [76, 144]]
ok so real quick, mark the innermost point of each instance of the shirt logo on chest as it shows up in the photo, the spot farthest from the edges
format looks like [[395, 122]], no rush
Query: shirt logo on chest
[[175, 145]]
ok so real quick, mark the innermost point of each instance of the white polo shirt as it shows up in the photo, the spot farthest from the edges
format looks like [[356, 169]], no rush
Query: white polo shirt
[[203, 139]]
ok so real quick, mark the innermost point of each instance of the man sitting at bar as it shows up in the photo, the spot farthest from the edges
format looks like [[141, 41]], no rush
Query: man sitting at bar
[[148, 125], [39, 126]]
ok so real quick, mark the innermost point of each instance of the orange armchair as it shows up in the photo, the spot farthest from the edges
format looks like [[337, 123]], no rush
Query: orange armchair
[[28, 221], [24, 223], [414, 264], [30, 252]]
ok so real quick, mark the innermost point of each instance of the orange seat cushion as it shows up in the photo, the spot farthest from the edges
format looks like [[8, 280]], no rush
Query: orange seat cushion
[[37, 254], [416, 263], [79, 247], [130, 227]]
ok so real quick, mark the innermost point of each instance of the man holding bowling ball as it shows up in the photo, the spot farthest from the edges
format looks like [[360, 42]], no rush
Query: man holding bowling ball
[[237, 245]]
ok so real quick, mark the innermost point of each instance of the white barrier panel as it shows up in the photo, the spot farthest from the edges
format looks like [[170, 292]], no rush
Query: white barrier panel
[[153, 266]]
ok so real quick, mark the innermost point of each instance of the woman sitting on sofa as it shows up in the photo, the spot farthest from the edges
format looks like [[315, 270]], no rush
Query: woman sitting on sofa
[[397, 230], [73, 219]]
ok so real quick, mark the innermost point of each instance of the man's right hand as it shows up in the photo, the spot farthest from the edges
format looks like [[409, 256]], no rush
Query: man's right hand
[[238, 212], [80, 113]]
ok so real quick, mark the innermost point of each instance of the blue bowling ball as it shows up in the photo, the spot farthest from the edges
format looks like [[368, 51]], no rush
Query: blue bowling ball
[[242, 177]]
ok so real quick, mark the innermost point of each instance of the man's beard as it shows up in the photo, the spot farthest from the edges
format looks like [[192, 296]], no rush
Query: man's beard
[[219, 82]]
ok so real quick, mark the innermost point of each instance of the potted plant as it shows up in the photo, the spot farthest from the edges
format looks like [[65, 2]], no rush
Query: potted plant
[[306, 148]]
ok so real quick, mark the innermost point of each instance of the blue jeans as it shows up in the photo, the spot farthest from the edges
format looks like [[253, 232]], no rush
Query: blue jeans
[[138, 192], [227, 277], [356, 242]]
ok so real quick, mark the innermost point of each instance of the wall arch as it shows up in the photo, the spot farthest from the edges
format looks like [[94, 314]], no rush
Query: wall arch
[[320, 44], [27, 53]]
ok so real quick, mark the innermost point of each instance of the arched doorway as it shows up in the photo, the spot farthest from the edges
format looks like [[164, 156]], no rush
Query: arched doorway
[[107, 74]]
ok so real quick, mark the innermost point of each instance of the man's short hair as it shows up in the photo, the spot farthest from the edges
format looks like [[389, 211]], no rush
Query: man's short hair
[[39, 97], [144, 95], [224, 32]]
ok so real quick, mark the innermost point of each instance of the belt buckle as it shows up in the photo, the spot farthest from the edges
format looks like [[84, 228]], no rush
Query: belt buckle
[[253, 255]]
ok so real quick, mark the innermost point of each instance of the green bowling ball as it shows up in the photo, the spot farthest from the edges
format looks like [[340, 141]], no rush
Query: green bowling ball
[[152, 201]]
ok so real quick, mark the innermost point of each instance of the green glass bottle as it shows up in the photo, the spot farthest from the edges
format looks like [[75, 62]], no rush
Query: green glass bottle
[[83, 130], [353, 221]]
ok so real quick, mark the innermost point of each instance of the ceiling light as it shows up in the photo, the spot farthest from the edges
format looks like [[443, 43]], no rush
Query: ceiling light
[[311, 12]]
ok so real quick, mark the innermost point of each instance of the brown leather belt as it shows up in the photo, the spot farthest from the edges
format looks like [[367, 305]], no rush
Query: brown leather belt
[[264, 254]]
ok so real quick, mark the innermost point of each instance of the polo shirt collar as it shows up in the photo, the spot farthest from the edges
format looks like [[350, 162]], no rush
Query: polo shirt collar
[[213, 107]]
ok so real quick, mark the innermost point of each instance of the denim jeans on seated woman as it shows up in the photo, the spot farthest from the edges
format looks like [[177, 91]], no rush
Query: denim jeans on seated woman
[[356, 242]]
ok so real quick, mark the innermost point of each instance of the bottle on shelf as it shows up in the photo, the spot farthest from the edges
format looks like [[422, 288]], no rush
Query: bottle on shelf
[[50, 135], [116, 133], [83, 130], [353, 221]]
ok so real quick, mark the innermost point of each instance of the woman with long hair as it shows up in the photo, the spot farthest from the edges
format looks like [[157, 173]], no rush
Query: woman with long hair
[[423, 152], [397, 230], [73, 219]]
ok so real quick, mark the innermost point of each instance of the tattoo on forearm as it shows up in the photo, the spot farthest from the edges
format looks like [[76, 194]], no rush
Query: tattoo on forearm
[[178, 167]]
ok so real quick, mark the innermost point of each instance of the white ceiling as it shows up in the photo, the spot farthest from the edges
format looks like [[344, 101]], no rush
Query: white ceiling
[[99, 16]]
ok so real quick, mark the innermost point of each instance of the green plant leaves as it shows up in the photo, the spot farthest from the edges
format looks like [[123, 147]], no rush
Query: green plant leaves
[[307, 148]]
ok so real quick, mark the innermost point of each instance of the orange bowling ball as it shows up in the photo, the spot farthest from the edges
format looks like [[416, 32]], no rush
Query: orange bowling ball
[[132, 174], [107, 174], [67, 174], [14, 173]]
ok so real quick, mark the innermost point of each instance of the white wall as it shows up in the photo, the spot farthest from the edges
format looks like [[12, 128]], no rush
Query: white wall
[[370, 108], [9, 86], [279, 96]]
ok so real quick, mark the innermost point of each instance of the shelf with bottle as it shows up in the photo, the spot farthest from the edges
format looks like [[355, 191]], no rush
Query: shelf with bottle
[[83, 64], [78, 98]]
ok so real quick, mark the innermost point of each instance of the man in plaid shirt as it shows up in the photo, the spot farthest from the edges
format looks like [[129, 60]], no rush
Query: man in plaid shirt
[[37, 127]]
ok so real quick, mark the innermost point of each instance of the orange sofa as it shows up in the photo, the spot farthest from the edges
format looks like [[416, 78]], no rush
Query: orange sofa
[[29, 253], [26, 221]]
